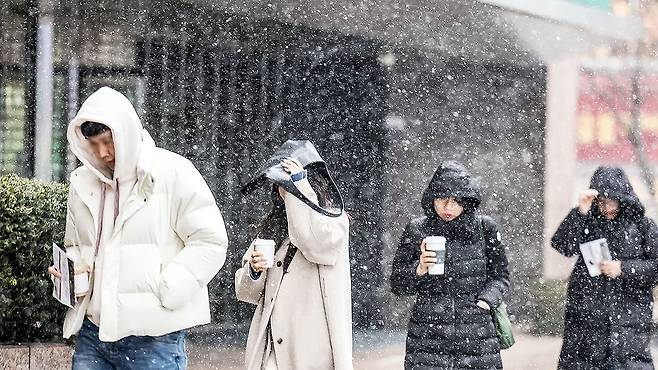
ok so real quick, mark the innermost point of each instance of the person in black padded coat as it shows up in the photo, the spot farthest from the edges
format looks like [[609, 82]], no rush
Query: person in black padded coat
[[608, 317], [451, 326]]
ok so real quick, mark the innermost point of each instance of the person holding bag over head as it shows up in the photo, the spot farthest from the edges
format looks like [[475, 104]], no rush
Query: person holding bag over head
[[297, 271], [608, 314], [454, 262]]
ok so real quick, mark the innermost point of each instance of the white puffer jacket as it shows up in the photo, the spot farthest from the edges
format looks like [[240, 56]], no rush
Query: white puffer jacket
[[168, 239]]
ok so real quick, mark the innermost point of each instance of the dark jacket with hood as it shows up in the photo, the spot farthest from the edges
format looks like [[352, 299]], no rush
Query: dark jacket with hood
[[608, 321], [447, 330]]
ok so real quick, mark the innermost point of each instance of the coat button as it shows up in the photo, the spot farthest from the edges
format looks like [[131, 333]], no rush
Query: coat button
[[279, 340], [279, 264]]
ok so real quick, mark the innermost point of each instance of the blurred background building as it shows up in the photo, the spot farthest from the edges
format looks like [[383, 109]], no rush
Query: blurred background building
[[530, 95]]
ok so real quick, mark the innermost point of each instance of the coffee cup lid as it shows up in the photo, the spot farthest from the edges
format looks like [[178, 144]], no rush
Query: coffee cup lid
[[435, 239], [264, 242]]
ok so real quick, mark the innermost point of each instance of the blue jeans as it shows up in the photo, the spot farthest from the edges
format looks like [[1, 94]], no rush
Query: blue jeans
[[166, 352]]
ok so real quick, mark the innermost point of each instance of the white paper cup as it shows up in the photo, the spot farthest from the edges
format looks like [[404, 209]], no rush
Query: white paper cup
[[437, 244], [267, 247], [81, 284]]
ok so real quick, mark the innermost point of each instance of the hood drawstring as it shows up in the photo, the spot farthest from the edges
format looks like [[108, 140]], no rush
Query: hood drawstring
[[100, 218], [117, 194]]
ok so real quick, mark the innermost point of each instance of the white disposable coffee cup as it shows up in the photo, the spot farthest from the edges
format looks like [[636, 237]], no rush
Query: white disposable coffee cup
[[437, 244], [267, 247], [81, 284]]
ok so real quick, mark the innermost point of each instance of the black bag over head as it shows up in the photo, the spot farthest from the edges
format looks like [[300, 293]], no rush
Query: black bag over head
[[308, 156]]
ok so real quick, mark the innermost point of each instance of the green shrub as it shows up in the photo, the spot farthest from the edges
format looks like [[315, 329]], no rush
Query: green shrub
[[32, 217]]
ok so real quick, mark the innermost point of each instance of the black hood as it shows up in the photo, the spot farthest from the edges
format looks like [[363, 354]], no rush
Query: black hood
[[451, 180], [612, 183], [308, 156]]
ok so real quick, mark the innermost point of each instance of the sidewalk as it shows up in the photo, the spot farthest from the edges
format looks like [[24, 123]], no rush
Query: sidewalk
[[385, 350]]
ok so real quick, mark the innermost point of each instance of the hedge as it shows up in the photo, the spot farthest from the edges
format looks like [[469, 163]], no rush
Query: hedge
[[32, 217]]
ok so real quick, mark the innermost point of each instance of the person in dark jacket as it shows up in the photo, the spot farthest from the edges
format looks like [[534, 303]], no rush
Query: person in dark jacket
[[608, 317], [451, 326]]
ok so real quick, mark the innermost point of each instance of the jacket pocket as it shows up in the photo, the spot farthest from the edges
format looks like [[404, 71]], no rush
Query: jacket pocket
[[86, 257], [478, 314], [139, 269]]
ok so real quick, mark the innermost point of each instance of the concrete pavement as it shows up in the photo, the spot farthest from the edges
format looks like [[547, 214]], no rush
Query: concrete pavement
[[382, 350], [385, 350]]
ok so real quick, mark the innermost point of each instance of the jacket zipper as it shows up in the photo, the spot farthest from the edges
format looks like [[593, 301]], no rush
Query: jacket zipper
[[451, 287], [454, 327]]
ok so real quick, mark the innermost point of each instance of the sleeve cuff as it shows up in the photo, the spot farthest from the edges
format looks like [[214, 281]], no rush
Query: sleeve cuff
[[305, 188], [628, 270], [489, 300], [484, 304], [298, 176], [414, 272], [575, 214], [253, 274]]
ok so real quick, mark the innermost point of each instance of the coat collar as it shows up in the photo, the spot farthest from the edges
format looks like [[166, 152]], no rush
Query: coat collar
[[87, 186], [464, 227]]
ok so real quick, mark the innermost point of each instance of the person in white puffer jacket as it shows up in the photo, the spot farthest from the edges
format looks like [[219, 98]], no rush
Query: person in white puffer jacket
[[144, 225]]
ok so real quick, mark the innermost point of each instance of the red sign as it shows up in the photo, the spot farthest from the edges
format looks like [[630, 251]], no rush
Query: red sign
[[604, 116]]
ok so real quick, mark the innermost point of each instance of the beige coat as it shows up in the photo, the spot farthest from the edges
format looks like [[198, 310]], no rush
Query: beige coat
[[310, 307]]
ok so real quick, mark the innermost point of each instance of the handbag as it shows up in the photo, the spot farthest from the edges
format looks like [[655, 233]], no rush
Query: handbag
[[499, 315], [503, 326]]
